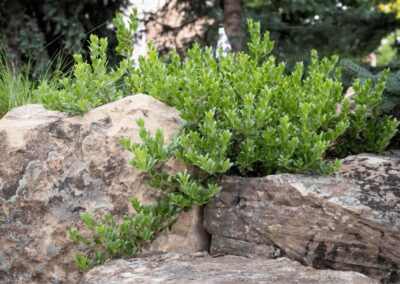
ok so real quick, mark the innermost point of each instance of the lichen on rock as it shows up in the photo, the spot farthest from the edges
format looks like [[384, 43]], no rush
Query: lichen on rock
[[54, 167], [348, 221]]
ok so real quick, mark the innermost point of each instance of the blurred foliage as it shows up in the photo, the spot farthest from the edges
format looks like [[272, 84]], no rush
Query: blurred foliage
[[391, 7], [387, 51], [351, 28], [17, 87], [40, 30], [37, 30]]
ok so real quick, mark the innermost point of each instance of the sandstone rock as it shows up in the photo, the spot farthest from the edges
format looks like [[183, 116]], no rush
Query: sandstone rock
[[350, 221], [53, 167], [202, 269]]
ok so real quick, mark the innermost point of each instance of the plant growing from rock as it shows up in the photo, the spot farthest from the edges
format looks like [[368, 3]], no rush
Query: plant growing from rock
[[391, 93], [243, 115], [110, 238], [245, 112], [92, 84], [368, 130]]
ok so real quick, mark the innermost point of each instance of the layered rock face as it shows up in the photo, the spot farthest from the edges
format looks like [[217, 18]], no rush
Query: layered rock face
[[201, 268], [350, 221], [53, 167]]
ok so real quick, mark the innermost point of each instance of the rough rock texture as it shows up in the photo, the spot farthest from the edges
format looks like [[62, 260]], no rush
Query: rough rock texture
[[350, 221], [53, 167], [201, 268]]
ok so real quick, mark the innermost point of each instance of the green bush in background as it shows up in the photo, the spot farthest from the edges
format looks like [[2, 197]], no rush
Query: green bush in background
[[38, 30]]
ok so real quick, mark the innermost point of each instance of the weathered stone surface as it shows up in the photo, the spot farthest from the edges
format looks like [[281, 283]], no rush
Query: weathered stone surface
[[350, 221], [53, 167], [201, 268]]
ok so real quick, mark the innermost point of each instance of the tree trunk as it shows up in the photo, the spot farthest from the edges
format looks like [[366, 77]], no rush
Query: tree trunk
[[233, 22]]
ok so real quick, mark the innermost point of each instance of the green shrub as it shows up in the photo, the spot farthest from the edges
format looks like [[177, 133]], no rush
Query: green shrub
[[243, 115], [92, 84], [89, 86], [244, 111], [391, 94], [368, 130]]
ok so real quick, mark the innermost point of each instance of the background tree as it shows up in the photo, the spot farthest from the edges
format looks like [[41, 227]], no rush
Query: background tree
[[37, 30], [233, 23], [351, 28]]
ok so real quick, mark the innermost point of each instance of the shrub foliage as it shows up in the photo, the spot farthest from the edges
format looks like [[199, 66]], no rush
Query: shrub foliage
[[243, 114], [91, 83], [110, 238]]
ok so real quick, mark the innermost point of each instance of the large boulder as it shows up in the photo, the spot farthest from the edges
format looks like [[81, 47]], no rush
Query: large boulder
[[349, 221], [201, 268], [52, 167]]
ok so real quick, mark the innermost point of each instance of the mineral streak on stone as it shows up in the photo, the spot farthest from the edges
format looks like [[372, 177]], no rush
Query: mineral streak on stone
[[203, 269], [349, 221], [54, 167]]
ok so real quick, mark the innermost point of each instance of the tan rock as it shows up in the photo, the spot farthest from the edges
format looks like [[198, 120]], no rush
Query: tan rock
[[350, 221], [203, 269], [53, 167], [188, 235]]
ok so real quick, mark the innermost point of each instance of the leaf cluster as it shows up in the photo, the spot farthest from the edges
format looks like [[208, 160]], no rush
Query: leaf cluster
[[245, 114], [94, 83], [391, 93], [368, 131], [109, 238]]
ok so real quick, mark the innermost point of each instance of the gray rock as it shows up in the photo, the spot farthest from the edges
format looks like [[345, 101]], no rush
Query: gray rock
[[53, 167], [349, 221], [203, 269]]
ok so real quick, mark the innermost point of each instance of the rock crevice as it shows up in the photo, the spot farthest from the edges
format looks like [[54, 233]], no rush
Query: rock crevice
[[349, 221]]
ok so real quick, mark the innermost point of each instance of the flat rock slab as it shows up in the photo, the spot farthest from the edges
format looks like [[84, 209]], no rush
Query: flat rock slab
[[53, 167], [201, 268], [349, 221]]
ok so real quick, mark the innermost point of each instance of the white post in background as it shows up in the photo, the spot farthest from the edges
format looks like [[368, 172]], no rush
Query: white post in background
[[223, 44], [143, 7], [152, 6]]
